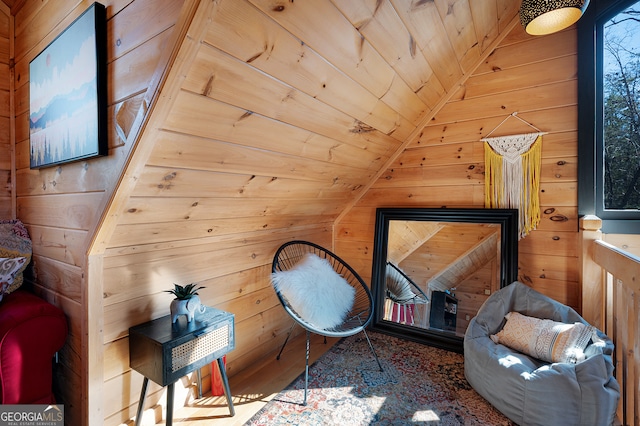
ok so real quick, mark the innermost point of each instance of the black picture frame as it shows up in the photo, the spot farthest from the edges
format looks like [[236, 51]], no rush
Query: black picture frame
[[68, 94], [507, 219]]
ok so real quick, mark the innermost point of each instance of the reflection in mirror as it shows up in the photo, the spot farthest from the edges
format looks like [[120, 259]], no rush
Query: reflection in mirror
[[452, 265], [433, 269]]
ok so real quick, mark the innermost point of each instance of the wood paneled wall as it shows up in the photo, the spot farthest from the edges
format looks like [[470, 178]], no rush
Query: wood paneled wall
[[6, 120], [267, 126], [269, 122], [61, 206], [444, 165]]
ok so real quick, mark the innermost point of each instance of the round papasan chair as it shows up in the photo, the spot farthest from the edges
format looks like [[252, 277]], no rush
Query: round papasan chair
[[530, 391]]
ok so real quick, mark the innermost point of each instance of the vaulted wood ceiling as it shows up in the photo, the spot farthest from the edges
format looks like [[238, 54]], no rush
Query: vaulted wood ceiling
[[273, 119], [14, 5], [291, 110]]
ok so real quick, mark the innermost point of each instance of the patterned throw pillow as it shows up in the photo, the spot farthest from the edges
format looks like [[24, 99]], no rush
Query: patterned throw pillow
[[8, 269], [545, 339], [15, 242]]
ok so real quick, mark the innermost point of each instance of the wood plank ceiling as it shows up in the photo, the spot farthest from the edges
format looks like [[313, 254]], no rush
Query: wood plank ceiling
[[274, 118], [290, 110], [14, 5]]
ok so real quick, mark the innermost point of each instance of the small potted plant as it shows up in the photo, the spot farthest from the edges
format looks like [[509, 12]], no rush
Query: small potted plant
[[186, 301]]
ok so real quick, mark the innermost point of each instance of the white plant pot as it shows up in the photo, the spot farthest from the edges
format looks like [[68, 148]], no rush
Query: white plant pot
[[186, 307]]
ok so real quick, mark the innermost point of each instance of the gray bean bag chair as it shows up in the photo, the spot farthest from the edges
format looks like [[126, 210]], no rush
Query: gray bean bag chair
[[530, 391]]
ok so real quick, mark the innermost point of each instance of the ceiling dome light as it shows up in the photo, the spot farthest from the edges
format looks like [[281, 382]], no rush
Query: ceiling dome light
[[540, 17]]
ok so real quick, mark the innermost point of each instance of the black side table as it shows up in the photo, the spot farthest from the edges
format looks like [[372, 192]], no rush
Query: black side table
[[164, 352]]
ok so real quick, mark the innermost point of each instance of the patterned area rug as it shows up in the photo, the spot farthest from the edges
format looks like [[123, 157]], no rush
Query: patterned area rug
[[419, 384]]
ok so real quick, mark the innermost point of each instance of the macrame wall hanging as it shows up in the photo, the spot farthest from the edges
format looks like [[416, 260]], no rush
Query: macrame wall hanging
[[512, 174]]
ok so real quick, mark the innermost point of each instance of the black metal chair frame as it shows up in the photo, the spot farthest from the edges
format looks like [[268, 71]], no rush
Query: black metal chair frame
[[419, 296], [361, 314]]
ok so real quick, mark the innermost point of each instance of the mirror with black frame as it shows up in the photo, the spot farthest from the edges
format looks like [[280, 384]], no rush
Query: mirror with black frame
[[433, 269]]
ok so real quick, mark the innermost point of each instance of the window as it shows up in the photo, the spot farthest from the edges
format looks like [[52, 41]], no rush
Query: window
[[608, 114]]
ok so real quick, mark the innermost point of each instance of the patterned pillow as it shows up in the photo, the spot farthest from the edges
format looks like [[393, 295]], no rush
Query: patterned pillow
[[8, 269], [545, 339], [15, 242]]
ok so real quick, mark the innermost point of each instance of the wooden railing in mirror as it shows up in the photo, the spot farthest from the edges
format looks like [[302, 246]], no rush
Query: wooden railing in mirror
[[611, 301]]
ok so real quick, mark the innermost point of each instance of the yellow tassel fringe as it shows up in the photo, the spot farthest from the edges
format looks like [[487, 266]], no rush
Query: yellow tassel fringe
[[511, 186]]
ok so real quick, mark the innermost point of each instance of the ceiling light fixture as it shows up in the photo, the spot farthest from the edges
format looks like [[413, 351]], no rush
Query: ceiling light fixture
[[540, 17]]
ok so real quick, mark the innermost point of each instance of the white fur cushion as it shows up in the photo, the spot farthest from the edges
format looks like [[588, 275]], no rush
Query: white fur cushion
[[315, 291]]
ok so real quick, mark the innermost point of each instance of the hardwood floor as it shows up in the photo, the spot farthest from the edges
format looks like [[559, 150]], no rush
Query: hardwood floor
[[254, 387]]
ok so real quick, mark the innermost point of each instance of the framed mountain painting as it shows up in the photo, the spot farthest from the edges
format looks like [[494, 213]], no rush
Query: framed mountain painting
[[67, 94]]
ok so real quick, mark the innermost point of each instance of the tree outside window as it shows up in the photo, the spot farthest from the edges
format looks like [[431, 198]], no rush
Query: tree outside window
[[608, 116], [621, 115]]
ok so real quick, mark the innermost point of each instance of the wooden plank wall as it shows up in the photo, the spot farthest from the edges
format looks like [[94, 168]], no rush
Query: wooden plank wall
[[222, 189], [306, 141], [61, 205], [6, 146], [270, 123], [285, 151], [444, 166]]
